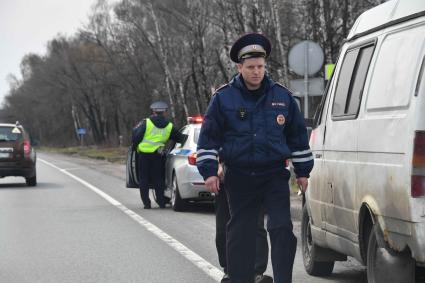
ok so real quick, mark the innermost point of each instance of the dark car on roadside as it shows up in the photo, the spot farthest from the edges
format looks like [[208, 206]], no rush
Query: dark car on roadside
[[17, 156]]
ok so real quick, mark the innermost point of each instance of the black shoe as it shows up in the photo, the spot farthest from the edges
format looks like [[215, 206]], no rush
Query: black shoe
[[260, 278], [225, 279], [147, 206], [162, 206]]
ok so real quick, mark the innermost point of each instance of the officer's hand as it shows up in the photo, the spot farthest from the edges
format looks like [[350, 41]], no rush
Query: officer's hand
[[220, 173], [213, 184], [302, 183]]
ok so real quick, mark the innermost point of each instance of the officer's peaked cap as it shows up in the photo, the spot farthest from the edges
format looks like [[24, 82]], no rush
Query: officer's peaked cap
[[159, 106], [250, 45]]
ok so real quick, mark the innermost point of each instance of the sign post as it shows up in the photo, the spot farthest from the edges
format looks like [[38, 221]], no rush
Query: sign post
[[305, 59], [81, 132]]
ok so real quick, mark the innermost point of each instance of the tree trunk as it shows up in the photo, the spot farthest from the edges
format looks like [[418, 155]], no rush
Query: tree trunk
[[183, 99], [164, 60], [282, 71]]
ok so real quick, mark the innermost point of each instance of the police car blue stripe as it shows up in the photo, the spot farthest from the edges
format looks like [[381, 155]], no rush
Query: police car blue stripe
[[295, 153], [198, 159], [298, 160]]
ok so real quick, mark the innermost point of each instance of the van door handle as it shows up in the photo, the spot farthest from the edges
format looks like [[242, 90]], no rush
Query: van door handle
[[318, 155]]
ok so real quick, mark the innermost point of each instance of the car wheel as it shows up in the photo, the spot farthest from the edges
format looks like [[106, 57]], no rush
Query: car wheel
[[311, 264], [31, 181], [385, 266], [177, 203]]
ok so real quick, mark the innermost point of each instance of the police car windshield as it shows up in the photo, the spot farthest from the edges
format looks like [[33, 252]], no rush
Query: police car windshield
[[196, 135], [10, 134]]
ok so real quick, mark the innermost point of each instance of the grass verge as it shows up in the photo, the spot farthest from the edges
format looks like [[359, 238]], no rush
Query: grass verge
[[111, 154]]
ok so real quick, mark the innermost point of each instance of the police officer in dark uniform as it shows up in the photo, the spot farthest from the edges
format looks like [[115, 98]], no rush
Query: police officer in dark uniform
[[256, 124], [222, 217], [150, 137]]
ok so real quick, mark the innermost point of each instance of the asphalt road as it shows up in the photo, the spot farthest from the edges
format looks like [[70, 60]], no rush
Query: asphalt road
[[80, 224]]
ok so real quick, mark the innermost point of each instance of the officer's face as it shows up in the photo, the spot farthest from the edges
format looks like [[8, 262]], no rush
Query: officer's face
[[252, 71]]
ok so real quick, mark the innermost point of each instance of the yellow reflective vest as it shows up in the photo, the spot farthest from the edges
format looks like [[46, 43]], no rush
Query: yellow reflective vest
[[154, 137]]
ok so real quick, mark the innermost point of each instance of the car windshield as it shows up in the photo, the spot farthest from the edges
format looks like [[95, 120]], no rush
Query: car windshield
[[10, 134], [196, 135]]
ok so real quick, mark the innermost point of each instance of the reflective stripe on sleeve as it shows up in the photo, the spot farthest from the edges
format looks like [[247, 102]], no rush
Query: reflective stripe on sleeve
[[212, 157], [213, 151], [296, 153], [297, 160]]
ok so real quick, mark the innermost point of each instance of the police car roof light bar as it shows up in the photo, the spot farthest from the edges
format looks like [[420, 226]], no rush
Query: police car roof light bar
[[195, 120]]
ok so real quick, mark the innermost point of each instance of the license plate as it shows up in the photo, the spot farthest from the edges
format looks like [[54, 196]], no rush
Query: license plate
[[4, 155]]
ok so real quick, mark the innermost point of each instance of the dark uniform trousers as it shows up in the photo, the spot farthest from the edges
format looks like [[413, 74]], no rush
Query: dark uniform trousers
[[151, 171], [222, 217], [247, 193]]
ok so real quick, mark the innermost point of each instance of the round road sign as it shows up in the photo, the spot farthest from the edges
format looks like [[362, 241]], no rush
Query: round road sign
[[306, 57]]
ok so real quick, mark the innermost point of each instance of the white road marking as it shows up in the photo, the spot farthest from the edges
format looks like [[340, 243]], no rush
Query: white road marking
[[72, 169], [190, 255]]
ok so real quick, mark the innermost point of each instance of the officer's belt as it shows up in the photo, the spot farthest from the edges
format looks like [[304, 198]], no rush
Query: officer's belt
[[271, 168]]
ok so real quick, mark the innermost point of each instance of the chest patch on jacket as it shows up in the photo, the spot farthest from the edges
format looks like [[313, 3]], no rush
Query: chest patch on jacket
[[278, 104], [280, 119]]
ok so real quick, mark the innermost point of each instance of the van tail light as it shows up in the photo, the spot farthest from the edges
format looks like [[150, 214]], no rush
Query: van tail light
[[418, 165], [192, 159], [27, 148]]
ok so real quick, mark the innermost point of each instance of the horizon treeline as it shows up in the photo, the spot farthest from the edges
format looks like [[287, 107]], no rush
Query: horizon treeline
[[133, 52]]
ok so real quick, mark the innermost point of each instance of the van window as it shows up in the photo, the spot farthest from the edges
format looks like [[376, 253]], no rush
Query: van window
[[343, 84], [398, 61], [362, 67], [351, 82], [196, 135]]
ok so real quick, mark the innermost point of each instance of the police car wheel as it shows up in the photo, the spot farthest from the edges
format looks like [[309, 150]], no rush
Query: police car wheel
[[311, 265], [177, 202], [385, 266]]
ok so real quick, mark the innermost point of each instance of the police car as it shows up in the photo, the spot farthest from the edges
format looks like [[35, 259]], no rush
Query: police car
[[183, 182]]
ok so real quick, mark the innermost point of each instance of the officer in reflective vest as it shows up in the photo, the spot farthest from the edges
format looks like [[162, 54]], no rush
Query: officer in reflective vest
[[150, 136]]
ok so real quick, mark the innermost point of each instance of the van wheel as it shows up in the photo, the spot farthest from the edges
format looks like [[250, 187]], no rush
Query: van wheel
[[311, 264], [31, 181], [177, 203], [384, 266]]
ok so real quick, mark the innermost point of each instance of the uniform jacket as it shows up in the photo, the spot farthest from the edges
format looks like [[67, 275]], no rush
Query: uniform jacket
[[253, 134]]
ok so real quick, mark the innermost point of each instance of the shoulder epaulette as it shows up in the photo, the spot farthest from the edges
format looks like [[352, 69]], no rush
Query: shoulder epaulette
[[285, 88], [220, 88]]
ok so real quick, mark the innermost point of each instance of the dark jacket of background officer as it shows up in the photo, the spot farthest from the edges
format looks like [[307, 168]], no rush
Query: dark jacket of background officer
[[150, 137], [257, 125]]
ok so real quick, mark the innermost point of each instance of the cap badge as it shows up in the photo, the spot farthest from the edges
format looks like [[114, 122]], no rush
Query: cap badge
[[280, 119]]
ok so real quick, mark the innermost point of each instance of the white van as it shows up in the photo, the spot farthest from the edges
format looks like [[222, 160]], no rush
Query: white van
[[366, 197]]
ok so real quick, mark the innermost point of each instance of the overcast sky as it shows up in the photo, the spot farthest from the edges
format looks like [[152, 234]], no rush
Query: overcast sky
[[27, 25]]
